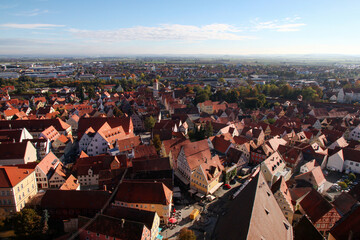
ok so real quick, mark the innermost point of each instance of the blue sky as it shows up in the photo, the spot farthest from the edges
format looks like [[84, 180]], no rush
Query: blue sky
[[232, 27]]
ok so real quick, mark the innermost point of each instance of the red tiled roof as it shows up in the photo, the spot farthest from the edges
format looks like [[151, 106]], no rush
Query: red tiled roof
[[10, 176]]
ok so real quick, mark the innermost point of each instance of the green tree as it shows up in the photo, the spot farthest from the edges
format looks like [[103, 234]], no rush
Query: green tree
[[352, 176], [343, 185], [186, 234], [149, 123], [27, 222], [209, 130], [157, 142], [117, 112]]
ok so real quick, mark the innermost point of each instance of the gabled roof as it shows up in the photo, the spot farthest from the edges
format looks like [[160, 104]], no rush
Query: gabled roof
[[97, 122], [13, 150], [70, 184], [315, 206], [253, 214], [10, 135], [144, 192], [50, 161], [116, 228], [281, 186], [347, 226], [35, 125], [304, 230], [10, 176], [316, 175], [132, 214], [74, 199], [344, 202], [144, 151]]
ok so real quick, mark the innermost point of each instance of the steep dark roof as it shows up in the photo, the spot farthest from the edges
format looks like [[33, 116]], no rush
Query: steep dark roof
[[74, 199], [132, 214], [97, 122], [347, 226], [253, 214], [143, 192], [117, 228], [315, 206], [305, 230], [13, 150]]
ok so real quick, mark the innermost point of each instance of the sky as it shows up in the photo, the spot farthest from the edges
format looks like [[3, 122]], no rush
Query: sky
[[196, 27]]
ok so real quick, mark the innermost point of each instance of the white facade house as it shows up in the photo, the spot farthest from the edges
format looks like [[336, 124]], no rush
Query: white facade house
[[336, 162], [45, 169], [347, 160], [104, 139], [355, 134]]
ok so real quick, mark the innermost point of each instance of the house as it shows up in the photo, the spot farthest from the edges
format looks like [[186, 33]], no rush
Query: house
[[304, 230], [291, 156], [259, 154], [347, 227], [315, 177], [261, 216], [45, 169], [17, 153], [87, 168], [36, 126], [58, 178], [71, 183], [17, 187], [283, 198], [73, 121], [126, 146], [63, 145], [14, 135], [97, 122], [321, 213], [148, 196], [150, 219], [345, 159], [274, 167], [105, 227], [206, 178], [354, 134], [308, 166], [50, 134], [103, 140], [73, 203], [190, 157]]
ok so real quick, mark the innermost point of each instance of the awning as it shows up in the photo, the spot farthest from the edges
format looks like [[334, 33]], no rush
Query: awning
[[182, 178], [200, 195], [210, 197], [192, 191], [216, 187], [176, 195]]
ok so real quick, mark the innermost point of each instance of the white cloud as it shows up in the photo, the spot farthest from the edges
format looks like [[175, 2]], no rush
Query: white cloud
[[30, 25], [285, 25], [31, 13], [165, 32]]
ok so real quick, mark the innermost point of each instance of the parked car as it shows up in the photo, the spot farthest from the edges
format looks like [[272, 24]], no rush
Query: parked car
[[227, 186]]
